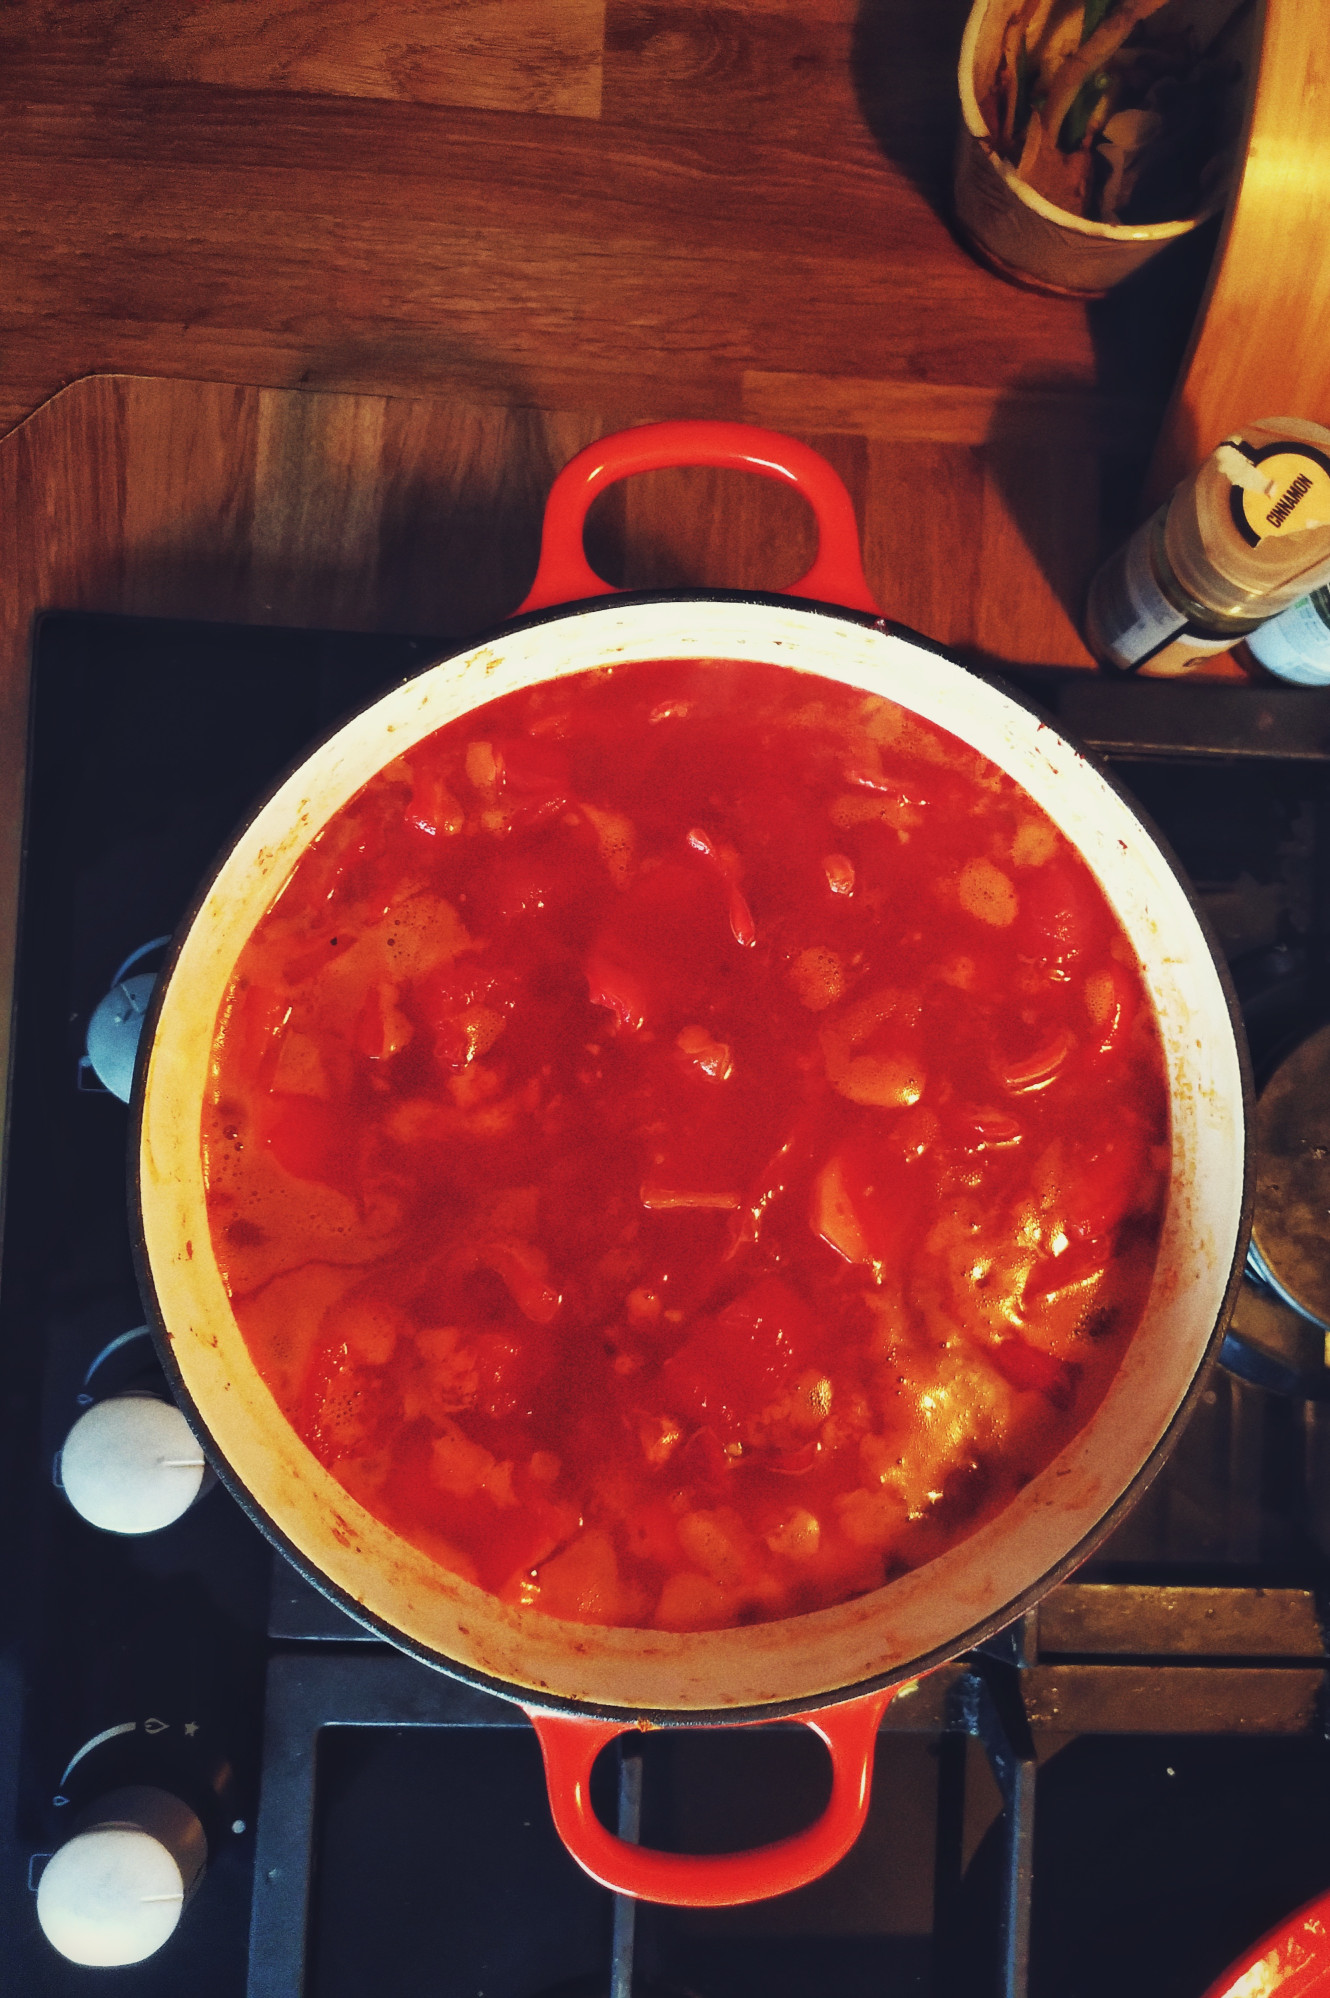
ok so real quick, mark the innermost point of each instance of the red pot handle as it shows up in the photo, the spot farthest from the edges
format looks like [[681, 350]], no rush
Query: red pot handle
[[564, 575], [718, 1880]]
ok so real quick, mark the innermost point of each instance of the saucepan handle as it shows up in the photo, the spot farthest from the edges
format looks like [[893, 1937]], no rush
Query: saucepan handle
[[719, 1880], [564, 574]]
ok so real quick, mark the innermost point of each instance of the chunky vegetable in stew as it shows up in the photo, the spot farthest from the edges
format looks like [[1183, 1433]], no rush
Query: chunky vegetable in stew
[[687, 1144]]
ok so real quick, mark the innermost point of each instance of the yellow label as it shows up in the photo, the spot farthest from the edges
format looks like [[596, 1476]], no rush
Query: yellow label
[[1298, 496]]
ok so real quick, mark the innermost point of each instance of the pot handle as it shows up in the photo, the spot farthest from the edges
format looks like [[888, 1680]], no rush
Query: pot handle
[[563, 574], [718, 1880]]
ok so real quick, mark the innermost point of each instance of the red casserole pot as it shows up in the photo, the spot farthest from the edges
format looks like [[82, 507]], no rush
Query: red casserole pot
[[835, 1669]]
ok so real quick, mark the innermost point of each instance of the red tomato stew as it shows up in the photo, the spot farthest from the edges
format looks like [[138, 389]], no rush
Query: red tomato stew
[[687, 1144]]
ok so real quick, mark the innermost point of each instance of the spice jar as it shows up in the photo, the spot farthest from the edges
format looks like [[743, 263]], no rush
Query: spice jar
[[1238, 542]]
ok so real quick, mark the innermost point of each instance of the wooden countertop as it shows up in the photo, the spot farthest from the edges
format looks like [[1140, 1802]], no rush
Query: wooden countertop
[[617, 204], [604, 211], [637, 208]]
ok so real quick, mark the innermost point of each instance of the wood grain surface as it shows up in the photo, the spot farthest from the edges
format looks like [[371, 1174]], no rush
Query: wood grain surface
[[1260, 345], [612, 204], [623, 205], [493, 55]]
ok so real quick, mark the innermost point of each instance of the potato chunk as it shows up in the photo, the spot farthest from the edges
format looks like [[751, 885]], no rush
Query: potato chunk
[[986, 892], [818, 977]]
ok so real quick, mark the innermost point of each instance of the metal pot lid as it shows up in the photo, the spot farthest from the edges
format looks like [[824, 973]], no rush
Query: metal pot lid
[[1291, 1229]]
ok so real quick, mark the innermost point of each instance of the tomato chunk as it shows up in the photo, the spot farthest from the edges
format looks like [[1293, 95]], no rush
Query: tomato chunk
[[736, 1366]]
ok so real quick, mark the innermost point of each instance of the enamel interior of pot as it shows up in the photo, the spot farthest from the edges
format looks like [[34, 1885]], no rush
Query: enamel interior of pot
[[920, 1616]]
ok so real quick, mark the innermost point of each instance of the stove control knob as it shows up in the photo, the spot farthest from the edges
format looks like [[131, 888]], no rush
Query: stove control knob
[[115, 1892], [131, 1464], [114, 1032]]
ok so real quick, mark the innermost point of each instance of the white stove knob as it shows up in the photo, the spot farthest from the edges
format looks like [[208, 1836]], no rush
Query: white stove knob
[[131, 1464], [114, 1032], [116, 1891]]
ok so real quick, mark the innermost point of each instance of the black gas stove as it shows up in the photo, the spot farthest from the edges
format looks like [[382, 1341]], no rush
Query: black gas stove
[[1117, 1795]]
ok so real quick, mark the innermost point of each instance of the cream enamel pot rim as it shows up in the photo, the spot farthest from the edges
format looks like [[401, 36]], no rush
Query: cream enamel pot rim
[[835, 1668]]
